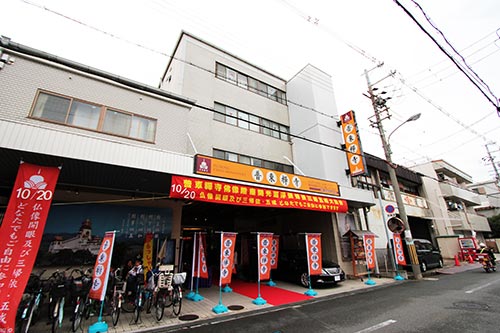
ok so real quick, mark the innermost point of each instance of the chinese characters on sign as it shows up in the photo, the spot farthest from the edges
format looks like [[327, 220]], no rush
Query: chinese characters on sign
[[243, 195], [264, 241], [369, 245], [228, 241], [102, 267], [21, 233], [313, 248], [352, 144], [398, 250], [226, 169]]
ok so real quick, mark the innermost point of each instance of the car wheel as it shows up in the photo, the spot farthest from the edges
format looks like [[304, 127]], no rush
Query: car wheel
[[304, 280], [441, 263], [423, 266]]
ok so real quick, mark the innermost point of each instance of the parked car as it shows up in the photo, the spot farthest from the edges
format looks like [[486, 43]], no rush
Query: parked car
[[428, 255], [292, 267]]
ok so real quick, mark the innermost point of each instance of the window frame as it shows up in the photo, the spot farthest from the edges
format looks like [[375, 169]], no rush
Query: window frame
[[102, 115]]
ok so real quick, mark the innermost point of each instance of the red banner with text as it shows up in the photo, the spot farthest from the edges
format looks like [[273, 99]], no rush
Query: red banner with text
[[228, 241], [264, 241], [275, 247], [243, 195], [21, 233], [398, 250], [369, 245], [313, 247], [102, 267], [147, 253], [201, 269]]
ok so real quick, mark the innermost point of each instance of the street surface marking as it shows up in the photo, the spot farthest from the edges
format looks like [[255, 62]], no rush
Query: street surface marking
[[481, 287], [430, 279], [378, 326]]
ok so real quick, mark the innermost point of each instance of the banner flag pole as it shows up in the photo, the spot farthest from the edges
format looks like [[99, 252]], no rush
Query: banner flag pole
[[197, 297], [191, 293]]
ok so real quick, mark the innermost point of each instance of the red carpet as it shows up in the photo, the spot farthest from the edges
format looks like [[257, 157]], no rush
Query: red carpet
[[273, 295]]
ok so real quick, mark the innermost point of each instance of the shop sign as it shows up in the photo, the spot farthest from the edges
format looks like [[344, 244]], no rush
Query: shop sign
[[242, 195], [264, 241], [369, 245], [275, 251], [398, 249], [21, 233], [313, 248], [352, 142], [210, 166], [102, 267], [228, 241]]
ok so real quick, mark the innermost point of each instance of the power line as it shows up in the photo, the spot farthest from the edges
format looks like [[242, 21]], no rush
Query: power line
[[493, 99]]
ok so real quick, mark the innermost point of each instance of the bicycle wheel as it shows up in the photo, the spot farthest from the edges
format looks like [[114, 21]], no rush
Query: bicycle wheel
[[115, 309], [25, 324], [138, 307], [148, 303], [55, 316], [78, 314], [160, 305], [176, 301]]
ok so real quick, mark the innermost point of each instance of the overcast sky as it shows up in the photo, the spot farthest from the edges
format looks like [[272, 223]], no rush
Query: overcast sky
[[134, 39]]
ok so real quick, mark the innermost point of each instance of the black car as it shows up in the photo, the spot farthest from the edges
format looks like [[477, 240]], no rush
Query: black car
[[292, 267], [428, 255]]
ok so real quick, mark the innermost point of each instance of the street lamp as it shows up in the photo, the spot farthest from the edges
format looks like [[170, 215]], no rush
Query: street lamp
[[392, 174], [412, 118]]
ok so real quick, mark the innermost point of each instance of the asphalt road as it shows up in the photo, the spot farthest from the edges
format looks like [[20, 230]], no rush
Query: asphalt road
[[464, 302]]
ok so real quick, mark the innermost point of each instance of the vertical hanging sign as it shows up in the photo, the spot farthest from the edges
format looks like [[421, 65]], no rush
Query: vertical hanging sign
[[352, 142], [264, 241], [102, 267], [21, 233], [398, 249], [228, 241], [275, 246], [313, 247], [369, 245], [147, 253], [201, 261]]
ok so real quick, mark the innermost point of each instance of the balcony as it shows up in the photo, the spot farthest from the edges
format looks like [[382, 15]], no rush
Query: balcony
[[458, 194], [471, 221]]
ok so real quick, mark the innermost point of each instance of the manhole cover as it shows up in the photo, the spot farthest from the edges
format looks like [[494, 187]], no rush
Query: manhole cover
[[235, 307], [471, 306], [188, 317]]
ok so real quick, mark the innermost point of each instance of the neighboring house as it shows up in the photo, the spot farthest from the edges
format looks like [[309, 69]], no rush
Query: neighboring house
[[489, 193]]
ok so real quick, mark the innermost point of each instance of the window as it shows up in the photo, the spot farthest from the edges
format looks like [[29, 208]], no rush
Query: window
[[243, 120], [73, 112], [225, 155], [51, 107], [247, 121], [247, 82], [84, 115]]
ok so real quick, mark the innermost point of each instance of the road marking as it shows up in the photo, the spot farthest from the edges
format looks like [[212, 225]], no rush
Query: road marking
[[481, 287], [378, 326]]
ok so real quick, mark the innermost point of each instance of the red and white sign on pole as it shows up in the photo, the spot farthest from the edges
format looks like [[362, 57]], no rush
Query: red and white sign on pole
[[313, 247], [275, 247], [201, 262], [21, 233], [398, 249], [102, 267], [264, 241], [369, 245], [228, 241]]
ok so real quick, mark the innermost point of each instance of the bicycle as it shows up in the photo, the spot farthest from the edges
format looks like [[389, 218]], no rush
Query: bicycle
[[57, 296], [163, 292], [29, 308], [79, 289], [177, 280], [115, 298]]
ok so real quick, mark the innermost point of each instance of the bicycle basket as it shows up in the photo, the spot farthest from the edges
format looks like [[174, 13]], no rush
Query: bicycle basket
[[164, 280], [179, 278]]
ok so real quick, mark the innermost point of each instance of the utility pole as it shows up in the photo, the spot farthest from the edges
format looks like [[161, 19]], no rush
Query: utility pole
[[492, 160], [382, 112]]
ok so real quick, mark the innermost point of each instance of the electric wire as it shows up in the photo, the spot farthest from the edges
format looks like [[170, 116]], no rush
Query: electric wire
[[316, 22]]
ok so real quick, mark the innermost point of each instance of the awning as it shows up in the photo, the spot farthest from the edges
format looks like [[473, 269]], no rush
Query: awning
[[360, 233]]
